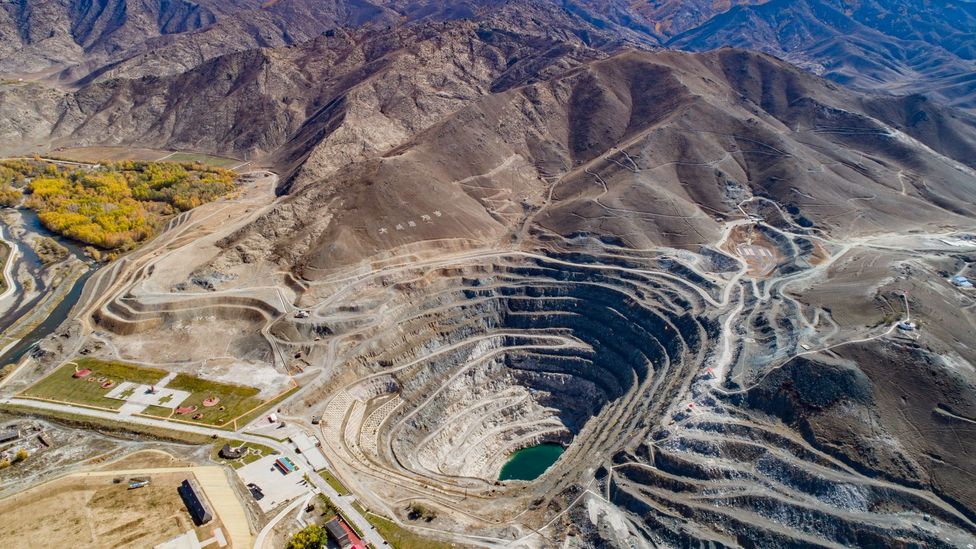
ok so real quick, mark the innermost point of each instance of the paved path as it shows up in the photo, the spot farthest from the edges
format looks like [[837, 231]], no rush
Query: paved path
[[263, 535], [143, 398], [8, 268], [343, 504], [10, 285]]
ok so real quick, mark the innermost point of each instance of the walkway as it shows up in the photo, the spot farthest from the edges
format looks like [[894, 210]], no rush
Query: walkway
[[263, 534], [343, 504]]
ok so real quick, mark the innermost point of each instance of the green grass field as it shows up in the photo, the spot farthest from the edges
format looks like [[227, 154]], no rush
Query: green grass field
[[61, 386], [217, 161], [253, 452], [158, 411], [258, 412], [234, 400], [334, 483], [401, 538]]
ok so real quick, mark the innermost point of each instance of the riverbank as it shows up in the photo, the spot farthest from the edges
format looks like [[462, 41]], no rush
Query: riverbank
[[52, 309], [39, 291], [6, 261]]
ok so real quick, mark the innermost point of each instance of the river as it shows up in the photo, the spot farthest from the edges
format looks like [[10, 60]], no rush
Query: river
[[26, 256]]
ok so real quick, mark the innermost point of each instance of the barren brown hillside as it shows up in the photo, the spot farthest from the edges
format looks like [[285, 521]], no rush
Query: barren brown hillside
[[730, 302], [651, 149]]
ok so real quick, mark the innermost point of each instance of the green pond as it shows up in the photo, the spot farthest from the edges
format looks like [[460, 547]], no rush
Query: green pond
[[530, 463]]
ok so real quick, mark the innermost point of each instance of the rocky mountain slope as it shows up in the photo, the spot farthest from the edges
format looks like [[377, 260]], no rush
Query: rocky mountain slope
[[80, 43], [285, 101], [97, 40], [41, 36], [657, 19], [900, 47], [653, 149], [513, 223]]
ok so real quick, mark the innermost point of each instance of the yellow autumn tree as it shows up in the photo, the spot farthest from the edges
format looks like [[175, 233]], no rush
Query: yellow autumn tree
[[119, 204]]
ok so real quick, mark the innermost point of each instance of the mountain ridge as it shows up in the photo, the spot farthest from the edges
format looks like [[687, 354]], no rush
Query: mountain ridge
[[903, 48]]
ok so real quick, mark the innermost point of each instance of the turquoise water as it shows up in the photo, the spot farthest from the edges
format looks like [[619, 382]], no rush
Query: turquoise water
[[530, 463]]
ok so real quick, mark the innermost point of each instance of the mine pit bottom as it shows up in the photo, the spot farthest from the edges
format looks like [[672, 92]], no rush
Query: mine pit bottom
[[529, 463]]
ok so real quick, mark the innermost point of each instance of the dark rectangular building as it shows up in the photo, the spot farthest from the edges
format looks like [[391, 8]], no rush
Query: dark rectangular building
[[9, 435], [338, 533], [195, 503]]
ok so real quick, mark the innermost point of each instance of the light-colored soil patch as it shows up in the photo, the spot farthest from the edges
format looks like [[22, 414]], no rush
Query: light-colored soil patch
[[219, 161], [819, 255], [107, 154], [114, 154], [199, 339], [94, 511], [753, 248], [146, 459]]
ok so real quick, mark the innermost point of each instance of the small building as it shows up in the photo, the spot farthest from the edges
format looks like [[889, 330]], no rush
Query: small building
[[285, 465], [308, 446], [338, 533], [961, 281], [906, 326], [195, 502], [44, 439], [9, 434], [229, 452]]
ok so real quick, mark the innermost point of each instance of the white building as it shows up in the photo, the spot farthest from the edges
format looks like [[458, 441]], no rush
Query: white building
[[308, 446]]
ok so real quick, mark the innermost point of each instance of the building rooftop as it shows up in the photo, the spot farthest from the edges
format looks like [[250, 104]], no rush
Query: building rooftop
[[229, 452], [336, 531], [6, 435], [960, 280]]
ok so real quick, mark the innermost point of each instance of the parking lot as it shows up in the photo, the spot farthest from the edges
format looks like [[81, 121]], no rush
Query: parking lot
[[272, 487]]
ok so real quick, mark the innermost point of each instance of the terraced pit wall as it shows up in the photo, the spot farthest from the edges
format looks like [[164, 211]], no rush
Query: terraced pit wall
[[460, 367]]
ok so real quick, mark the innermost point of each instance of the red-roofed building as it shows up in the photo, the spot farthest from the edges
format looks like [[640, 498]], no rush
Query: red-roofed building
[[354, 540], [344, 535]]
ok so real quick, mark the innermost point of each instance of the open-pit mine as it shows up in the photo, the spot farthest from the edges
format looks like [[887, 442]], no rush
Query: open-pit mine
[[656, 370], [499, 274]]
